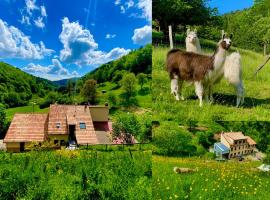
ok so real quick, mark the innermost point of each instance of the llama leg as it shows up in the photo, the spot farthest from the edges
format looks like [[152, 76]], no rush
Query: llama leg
[[240, 94], [180, 89], [174, 87], [211, 93], [199, 91]]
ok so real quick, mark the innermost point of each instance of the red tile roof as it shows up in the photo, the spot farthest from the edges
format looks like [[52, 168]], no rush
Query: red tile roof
[[27, 128], [250, 141], [72, 115]]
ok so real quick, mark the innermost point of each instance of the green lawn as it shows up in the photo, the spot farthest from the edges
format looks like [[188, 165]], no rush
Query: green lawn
[[25, 109], [213, 180], [77, 174], [257, 94]]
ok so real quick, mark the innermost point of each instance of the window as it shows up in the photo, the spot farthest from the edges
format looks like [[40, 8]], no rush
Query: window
[[82, 125], [58, 125], [55, 141]]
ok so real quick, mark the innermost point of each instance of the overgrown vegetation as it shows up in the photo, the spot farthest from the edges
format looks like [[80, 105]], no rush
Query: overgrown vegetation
[[76, 175]]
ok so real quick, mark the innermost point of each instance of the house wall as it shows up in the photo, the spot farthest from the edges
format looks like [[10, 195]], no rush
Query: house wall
[[224, 141], [15, 146], [58, 137], [242, 148], [99, 113]]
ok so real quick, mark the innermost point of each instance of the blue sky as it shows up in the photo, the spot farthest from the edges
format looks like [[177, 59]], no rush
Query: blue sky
[[225, 6], [66, 38]]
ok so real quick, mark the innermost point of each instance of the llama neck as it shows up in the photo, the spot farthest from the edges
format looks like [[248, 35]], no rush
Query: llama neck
[[219, 58]]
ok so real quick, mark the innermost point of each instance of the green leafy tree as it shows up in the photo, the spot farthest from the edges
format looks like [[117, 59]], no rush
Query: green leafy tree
[[112, 99], [89, 91], [142, 78], [70, 86], [3, 120], [128, 84], [171, 140]]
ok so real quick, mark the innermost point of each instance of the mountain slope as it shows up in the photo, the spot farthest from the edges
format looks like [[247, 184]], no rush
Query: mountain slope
[[17, 87], [136, 61]]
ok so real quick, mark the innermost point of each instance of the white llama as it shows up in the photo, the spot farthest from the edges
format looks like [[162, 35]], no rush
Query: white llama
[[231, 70], [192, 42]]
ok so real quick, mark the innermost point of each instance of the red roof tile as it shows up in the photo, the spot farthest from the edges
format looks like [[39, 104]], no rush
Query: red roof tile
[[27, 128]]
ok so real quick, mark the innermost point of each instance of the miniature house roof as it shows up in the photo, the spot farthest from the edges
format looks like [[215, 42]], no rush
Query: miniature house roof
[[233, 136], [27, 128]]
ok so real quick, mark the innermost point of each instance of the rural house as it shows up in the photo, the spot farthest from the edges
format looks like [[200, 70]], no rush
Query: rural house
[[234, 144], [63, 124]]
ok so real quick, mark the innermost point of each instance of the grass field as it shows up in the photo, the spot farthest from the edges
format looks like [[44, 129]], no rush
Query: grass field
[[76, 175], [213, 180], [257, 94], [24, 109]]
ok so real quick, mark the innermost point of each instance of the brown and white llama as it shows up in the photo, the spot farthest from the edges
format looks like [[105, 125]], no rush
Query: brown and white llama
[[188, 66], [231, 70]]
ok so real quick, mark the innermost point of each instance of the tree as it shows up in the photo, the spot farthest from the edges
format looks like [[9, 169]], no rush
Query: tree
[[128, 84], [181, 12], [112, 99], [89, 91], [3, 120], [142, 78], [69, 87]]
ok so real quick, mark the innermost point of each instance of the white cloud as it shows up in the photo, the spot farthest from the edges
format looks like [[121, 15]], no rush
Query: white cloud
[[76, 40], [80, 48], [14, 44], [110, 36], [123, 10], [55, 68], [30, 6], [117, 2], [129, 4], [25, 20], [39, 22], [53, 72], [146, 7], [33, 14], [75, 74], [43, 11], [142, 35]]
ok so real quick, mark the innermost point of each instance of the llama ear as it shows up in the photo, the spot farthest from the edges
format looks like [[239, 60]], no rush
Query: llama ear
[[223, 36], [231, 36], [195, 30], [188, 31]]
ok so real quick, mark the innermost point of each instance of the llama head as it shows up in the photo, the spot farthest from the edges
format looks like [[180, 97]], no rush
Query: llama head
[[192, 36], [226, 42]]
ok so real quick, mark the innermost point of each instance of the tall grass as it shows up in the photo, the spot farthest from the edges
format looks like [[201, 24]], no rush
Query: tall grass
[[75, 175], [213, 180]]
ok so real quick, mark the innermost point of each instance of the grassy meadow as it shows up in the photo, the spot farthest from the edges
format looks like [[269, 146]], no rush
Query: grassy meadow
[[213, 180], [80, 174], [257, 93]]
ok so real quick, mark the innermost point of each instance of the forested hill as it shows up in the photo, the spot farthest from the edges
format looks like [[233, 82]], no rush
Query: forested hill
[[137, 61], [251, 27], [18, 87]]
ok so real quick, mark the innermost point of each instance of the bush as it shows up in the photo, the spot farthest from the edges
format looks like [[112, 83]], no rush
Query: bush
[[171, 140]]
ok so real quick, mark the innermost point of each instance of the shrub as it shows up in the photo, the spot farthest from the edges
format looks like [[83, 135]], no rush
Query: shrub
[[171, 140]]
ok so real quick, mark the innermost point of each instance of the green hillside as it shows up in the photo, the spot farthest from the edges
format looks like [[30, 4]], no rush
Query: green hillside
[[18, 87], [136, 61]]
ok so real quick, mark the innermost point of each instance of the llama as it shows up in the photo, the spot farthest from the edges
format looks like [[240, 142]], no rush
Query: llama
[[233, 74], [231, 71], [193, 67], [192, 42]]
